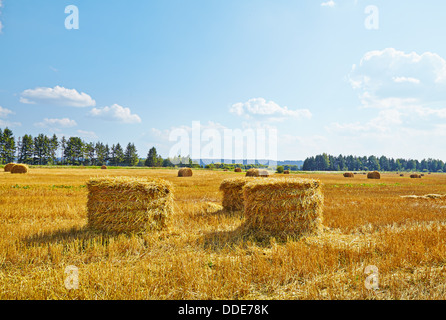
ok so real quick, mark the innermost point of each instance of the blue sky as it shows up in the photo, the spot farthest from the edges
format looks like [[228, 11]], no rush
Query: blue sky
[[137, 70]]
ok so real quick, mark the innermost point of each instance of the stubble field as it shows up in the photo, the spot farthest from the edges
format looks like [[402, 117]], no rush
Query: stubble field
[[203, 255]]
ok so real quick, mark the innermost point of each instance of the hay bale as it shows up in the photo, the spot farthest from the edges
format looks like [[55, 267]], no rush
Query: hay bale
[[283, 207], [9, 166], [104, 167], [124, 204], [349, 175], [415, 176], [185, 172], [232, 190], [19, 169], [257, 173], [286, 172], [374, 175], [401, 175], [238, 170]]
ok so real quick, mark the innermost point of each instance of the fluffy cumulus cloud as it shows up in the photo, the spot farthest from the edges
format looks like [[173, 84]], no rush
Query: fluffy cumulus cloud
[[260, 108], [56, 123], [57, 96], [393, 74], [408, 89], [115, 113]]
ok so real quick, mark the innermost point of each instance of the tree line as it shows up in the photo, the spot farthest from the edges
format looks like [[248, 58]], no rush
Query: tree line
[[325, 162], [51, 150]]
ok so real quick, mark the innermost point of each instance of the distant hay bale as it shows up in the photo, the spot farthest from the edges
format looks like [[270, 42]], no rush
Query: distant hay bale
[[401, 175], [283, 207], [374, 175], [238, 170], [422, 174], [104, 167], [349, 175], [415, 176], [124, 204], [257, 173], [232, 190], [185, 172], [286, 172], [19, 169], [9, 166]]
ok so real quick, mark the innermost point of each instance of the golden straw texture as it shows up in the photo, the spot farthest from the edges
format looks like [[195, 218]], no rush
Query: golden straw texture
[[232, 190], [124, 204], [9, 166], [374, 175], [185, 172], [283, 207], [19, 168]]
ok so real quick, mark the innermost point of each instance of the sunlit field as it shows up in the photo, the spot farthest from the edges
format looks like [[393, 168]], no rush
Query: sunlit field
[[203, 255]]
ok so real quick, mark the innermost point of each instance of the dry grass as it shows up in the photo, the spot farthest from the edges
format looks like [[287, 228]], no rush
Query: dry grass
[[123, 204], [204, 256], [283, 208]]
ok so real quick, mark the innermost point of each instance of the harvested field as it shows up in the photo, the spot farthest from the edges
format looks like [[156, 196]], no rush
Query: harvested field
[[204, 255]]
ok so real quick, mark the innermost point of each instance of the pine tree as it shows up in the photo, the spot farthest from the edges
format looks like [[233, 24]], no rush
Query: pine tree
[[152, 156], [131, 156]]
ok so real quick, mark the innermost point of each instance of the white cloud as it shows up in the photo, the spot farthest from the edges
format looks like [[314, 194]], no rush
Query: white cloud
[[5, 112], [58, 96], [1, 24], [87, 134], [409, 89], [56, 123], [259, 107], [405, 79], [329, 3], [390, 73], [115, 113]]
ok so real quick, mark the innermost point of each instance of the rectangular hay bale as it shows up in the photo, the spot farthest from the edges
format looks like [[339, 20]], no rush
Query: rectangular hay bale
[[284, 207], [232, 190], [124, 204]]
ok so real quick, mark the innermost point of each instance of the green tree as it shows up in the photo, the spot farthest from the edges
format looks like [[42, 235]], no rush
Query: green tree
[[152, 158], [74, 151], [26, 149], [7, 146], [131, 155]]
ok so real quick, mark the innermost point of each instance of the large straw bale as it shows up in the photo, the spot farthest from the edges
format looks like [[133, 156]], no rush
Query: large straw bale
[[8, 167], [283, 207], [232, 190], [238, 170], [349, 175], [185, 172], [104, 167], [124, 204], [257, 173], [374, 175], [19, 169], [415, 176]]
